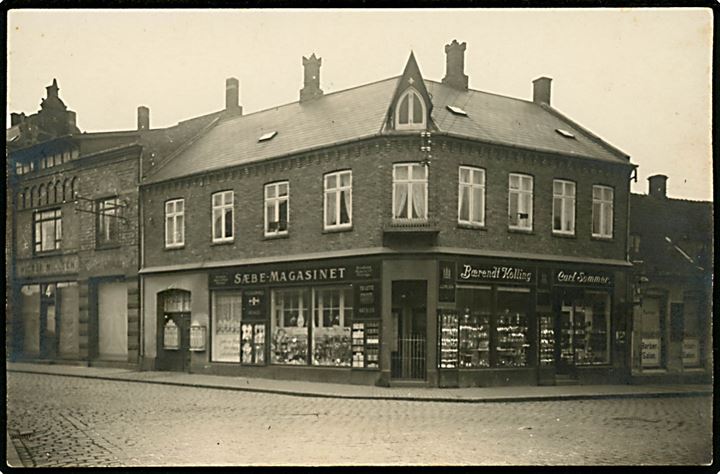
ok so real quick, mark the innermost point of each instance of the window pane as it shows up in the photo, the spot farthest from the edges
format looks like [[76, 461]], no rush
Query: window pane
[[226, 312], [331, 328], [282, 189], [557, 187], [608, 220], [478, 204], [464, 211], [330, 208], [169, 235], [345, 179], [418, 201], [289, 328], [331, 181], [345, 205], [419, 172], [283, 215], [400, 172], [401, 201], [270, 191], [229, 197], [179, 205], [478, 177], [403, 116], [474, 308], [557, 217], [417, 109], [179, 229], [464, 175], [514, 208], [512, 329], [270, 217], [596, 218]]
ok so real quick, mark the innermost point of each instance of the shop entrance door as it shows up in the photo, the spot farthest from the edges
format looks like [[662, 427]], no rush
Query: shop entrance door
[[173, 331], [565, 334], [410, 329], [48, 323]]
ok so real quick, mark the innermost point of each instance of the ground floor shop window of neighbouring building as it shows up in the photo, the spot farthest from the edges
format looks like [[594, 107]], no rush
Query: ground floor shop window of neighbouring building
[[585, 328], [226, 330], [50, 319], [692, 322], [325, 337]]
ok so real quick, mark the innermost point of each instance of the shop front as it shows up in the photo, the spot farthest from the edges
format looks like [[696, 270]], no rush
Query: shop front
[[313, 320], [507, 323]]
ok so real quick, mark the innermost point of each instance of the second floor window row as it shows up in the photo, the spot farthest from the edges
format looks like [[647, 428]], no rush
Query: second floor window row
[[409, 204]]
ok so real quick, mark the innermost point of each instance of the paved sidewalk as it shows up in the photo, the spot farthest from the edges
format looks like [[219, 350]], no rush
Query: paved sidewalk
[[11, 456], [332, 390]]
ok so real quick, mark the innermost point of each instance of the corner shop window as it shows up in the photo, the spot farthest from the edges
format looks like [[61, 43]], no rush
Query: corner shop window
[[513, 343], [332, 314], [289, 326], [474, 305], [226, 315], [585, 337]]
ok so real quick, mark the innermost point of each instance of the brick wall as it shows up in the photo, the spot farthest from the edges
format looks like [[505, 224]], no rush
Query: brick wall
[[371, 163]]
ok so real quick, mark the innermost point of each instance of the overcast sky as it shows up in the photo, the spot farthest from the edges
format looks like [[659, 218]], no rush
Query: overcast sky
[[639, 78]]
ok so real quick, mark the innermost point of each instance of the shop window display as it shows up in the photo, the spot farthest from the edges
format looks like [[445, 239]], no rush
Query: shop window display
[[474, 305], [331, 338], [585, 329], [289, 342], [253, 343], [512, 327], [226, 314]]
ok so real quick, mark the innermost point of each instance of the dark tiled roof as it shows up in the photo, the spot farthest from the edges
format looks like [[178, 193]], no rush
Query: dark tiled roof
[[361, 112], [688, 225]]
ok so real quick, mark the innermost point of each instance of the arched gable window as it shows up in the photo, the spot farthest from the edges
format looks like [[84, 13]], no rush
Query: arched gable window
[[410, 112]]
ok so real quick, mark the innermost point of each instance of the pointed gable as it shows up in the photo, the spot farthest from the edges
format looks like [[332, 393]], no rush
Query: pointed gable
[[411, 104]]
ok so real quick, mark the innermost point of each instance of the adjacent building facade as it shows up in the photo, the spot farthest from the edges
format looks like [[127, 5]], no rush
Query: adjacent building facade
[[671, 249], [73, 241], [404, 231]]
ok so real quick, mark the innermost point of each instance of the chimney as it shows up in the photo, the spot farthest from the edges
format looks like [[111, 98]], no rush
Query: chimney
[[52, 90], [657, 185], [143, 118], [455, 66], [16, 118], [71, 121], [541, 90], [311, 89], [232, 96]]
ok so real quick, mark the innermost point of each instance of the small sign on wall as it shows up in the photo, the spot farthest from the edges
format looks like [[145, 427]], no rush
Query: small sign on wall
[[171, 336], [691, 351], [198, 337], [650, 350]]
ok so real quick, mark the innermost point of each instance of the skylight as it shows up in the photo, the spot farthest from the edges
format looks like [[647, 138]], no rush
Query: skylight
[[267, 136], [564, 133], [456, 110]]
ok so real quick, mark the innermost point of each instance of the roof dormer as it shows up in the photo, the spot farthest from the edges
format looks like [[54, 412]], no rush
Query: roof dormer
[[411, 105]]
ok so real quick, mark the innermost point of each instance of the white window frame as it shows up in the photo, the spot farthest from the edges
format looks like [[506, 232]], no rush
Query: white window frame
[[471, 185], [275, 202], [172, 215], [411, 104], [41, 219], [520, 191], [221, 207], [605, 205], [411, 183], [566, 200], [336, 194]]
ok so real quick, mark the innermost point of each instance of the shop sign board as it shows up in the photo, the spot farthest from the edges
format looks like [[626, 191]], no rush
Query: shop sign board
[[254, 302], [691, 351], [57, 265], [368, 300], [447, 282], [583, 278], [293, 273], [497, 273], [650, 350]]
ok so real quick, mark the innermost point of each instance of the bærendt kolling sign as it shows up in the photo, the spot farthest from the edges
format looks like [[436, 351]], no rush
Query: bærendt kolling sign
[[503, 273]]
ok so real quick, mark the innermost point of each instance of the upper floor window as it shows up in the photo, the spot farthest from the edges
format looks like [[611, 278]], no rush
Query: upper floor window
[[410, 197], [410, 111], [338, 199], [108, 227], [48, 230], [520, 201], [602, 211], [222, 216], [175, 223], [277, 202], [471, 196], [563, 207]]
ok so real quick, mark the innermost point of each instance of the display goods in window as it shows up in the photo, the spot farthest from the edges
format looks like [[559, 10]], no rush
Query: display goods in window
[[474, 340], [448, 340], [512, 342], [547, 340]]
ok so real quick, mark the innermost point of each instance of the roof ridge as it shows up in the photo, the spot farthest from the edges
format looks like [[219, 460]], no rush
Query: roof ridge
[[239, 117], [484, 92]]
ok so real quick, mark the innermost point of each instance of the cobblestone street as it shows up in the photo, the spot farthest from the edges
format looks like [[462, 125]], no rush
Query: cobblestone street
[[65, 421]]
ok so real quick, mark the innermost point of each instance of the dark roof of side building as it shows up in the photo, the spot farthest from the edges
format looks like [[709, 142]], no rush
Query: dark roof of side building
[[676, 235], [361, 112]]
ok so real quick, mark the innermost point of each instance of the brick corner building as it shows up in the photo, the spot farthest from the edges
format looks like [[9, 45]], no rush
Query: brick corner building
[[402, 231]]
